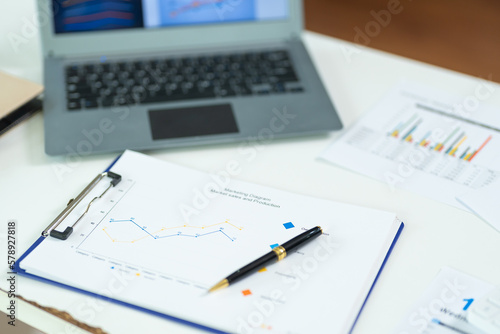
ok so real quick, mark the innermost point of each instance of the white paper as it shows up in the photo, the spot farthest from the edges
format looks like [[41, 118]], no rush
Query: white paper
[[484, 203], [443, 307], [424, 141], [166, 234]]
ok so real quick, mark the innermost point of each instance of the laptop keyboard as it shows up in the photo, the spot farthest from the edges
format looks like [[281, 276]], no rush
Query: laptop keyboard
[[96, 85]]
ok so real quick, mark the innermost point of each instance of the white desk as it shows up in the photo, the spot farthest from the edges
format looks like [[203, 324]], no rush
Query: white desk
[[435, 235]]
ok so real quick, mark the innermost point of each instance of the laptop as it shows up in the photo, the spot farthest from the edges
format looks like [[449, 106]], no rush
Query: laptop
[[148, 74]]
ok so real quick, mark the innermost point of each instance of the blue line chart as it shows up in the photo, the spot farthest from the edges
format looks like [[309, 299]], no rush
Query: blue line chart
[[165, 232]]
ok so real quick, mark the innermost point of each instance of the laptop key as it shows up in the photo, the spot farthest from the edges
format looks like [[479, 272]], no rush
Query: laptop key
[[243, 90], [296, 90], [74, 96], [123, 101], [277, 55], [89, 68], [153, 99], [74, 105], [105, 92], [224, 91], [279, 88], [289, 77], [90, 103], [85, 91], [71, 70], [107, 101], [203, 94], [74, 79]]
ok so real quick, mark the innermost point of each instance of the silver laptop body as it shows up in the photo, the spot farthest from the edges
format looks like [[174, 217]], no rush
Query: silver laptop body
[[132, 102]]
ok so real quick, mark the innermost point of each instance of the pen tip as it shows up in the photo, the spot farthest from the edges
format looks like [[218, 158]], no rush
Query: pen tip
[[221, 285]]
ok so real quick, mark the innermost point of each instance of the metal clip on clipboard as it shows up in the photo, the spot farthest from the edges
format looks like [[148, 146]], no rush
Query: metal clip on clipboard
[[51, 229]]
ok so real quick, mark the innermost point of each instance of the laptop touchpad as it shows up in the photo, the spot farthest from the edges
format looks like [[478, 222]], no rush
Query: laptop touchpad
[[192, 121]]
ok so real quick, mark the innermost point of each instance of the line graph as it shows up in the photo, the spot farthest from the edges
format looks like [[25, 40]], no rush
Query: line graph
[[140, 228], [193, 5], [180, 231], [182, 12]]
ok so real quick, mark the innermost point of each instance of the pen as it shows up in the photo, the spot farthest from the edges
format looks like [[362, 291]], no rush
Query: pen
[[278, 254]]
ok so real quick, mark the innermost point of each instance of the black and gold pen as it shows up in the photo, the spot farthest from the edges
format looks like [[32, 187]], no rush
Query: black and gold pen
[[278, 254]]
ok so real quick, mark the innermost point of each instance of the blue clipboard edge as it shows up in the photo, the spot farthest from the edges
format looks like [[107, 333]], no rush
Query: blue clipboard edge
[[18, 270], [113, 163], [396, 237]]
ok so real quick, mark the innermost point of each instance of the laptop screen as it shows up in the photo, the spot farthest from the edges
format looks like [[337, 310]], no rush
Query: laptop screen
[[95, 15]]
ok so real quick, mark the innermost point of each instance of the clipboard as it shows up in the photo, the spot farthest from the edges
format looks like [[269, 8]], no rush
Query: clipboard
[[52, 231], [112, 179]]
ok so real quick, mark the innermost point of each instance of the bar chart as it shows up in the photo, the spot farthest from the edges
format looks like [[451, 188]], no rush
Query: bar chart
[[430, 141], [426, 141], [456, 141]]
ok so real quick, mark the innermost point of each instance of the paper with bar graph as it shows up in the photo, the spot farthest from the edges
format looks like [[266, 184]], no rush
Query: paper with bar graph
[[426, 141], [484, 203]]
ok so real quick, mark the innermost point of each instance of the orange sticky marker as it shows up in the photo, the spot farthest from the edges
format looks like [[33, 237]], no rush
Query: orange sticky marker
[[246, 292]]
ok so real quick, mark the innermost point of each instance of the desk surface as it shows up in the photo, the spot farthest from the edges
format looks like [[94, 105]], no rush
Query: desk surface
[[34, 186]]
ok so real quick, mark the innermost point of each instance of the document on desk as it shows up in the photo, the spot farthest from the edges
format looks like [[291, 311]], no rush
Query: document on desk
[[484, 203], [443, 307], [425, 141], [165, 234]]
